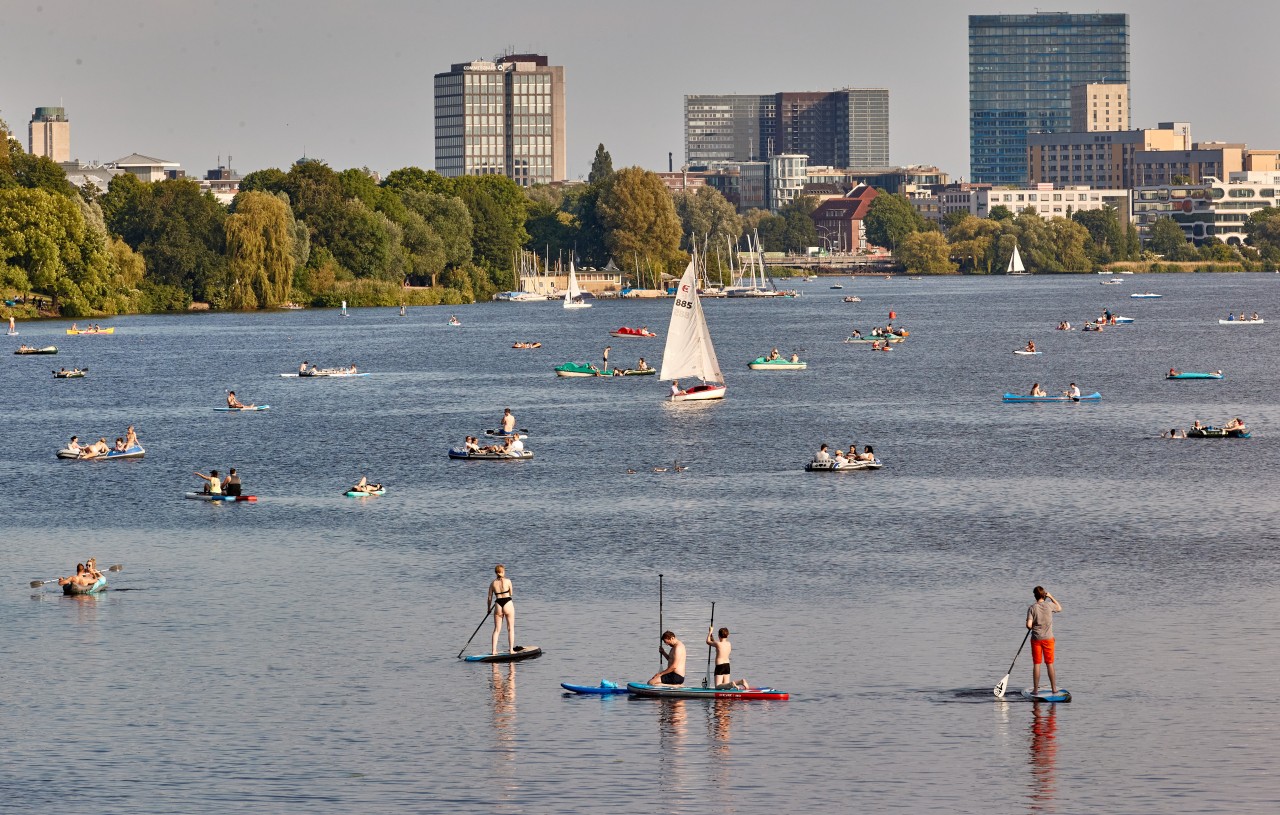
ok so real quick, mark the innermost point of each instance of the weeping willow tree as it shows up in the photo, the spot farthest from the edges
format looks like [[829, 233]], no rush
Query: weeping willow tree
[[260, 247]]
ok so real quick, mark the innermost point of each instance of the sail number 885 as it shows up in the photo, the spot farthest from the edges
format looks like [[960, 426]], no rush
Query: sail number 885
[[684, 303]]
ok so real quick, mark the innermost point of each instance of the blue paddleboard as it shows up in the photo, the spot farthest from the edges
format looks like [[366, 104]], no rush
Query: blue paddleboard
[[1047, 695], [599, 690]]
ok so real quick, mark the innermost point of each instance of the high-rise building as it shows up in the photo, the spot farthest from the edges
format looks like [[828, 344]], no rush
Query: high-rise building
[[844, 128], [504, 117], [1022, 68], [49, 134]]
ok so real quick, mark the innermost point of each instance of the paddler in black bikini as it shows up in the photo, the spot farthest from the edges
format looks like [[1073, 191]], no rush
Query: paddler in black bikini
[[673, 674], [500, 600]]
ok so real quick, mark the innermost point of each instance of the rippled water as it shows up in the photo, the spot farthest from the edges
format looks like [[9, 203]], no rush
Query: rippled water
[[299, 654]]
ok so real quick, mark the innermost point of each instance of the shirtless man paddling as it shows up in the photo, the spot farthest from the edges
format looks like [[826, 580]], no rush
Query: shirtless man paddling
[[673, 674]]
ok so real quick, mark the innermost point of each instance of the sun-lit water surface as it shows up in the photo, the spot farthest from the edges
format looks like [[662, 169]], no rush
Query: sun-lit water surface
[[299, 654]]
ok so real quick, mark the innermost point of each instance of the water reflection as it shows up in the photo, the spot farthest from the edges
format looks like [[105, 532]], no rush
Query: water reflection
[[673, 735], [502, 686], [1043, 757]]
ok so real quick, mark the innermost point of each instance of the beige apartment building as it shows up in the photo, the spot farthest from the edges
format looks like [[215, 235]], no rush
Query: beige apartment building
[[1099, 158], [49, 134], [1099, 107]]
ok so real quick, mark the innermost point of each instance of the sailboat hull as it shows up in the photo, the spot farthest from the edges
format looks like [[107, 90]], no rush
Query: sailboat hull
[[700, 393], [576, 304]]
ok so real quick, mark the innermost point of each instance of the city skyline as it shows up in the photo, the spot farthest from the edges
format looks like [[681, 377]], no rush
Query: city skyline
[[270, 84]]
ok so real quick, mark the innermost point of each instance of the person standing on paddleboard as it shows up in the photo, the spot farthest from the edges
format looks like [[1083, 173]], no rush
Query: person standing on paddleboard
[[504, 608], [1040, 621], [508, 422], [673, 674]]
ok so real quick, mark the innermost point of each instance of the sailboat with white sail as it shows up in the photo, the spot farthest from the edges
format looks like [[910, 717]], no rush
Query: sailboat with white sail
[[689, 351], [573, 294], [1015, 263]]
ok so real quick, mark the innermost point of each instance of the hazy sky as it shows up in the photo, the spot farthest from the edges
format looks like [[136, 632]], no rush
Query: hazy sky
[[351, 82]]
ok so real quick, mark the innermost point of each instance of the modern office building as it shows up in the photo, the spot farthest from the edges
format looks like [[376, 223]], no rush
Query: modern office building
[[1022, 68], [504, 117], [842, 128], [1204, 160], [1045, 200], [1210, 208], [1099, 158], [49, 134]]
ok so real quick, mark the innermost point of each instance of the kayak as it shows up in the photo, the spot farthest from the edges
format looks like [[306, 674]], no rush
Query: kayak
[[319, 374], [132, 452], [581, 369], [763, 364], [521, 652], [1047, 695], [639, 333], [204, 496], [523, 455], [1017, 397], [1259, 321], [1024, 353], [684, 692], [1192, 375], [1145, 296], [359, 494], [239, 409], [605, 688], [79, 374], [48, 349], [111, 330], [1217, 433], [847, 467], [97, 586]]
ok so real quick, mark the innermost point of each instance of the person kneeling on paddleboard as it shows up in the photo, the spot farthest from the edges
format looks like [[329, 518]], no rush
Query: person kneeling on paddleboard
[[724, 680], [1040, 621], [673, 674]]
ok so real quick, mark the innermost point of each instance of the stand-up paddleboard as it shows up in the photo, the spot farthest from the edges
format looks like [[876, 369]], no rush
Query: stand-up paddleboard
[[204, 496], [240, 409], [524, 652], [502, 434], [1047, 695], [682, 692], [605, 688], [1025, 353]]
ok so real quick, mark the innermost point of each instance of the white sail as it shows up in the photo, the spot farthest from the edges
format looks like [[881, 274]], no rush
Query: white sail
[[573, 294], [1015, 262], [689, 351]]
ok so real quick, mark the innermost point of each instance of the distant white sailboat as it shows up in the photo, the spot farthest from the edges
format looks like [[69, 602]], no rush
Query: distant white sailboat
[[573, 295], [1015, 263], [689, 351]]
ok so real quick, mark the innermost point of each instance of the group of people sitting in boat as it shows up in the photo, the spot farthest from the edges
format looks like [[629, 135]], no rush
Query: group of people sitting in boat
[[63, 373], [1072, 391], [774, 356], [1233, 318], [1235, 426], [86, 575], [526, 345], [100, 447], [363, 485], [641, 365], [306, 369], [89, 329], [514, 446], [841, 458], [218, 485], [881, 345]]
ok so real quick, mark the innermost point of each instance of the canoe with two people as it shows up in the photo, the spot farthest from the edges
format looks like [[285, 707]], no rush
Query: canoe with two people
[[86, 580]]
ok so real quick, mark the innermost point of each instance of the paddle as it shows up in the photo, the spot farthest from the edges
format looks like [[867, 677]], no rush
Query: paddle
[[998, 690], [35, 584], [706, 681], [660, 628], [477, 631]]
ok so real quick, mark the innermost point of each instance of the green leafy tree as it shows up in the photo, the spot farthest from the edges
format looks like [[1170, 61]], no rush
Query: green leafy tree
[[890, 219], [976, 242], [46, 237], [1000, 213], [259, 239], [951, 219], [1165, 237], [1106, 238], [772, 230], [707, 216], [498, 209], [801, 232], [601, 166], [271, 180], [640, 219], [925, 253], [449, 218]]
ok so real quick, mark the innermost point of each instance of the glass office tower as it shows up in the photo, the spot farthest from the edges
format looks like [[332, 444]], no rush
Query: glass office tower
[[1022, 68]]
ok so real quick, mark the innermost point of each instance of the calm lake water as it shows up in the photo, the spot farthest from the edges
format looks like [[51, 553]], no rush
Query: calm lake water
[[299, 654]]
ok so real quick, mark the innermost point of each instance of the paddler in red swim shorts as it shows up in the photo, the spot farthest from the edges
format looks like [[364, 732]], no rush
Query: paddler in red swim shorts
[[1040, 621]]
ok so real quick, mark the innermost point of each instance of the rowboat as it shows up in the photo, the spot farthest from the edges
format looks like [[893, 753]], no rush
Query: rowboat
[[684, 692], [95, 587], [78, 373], [1194, 375], [605, 688], [231, 499], [1217, 433], [765, 364], [637, 333], [523, 455], [581, 369], [241, 409], [833, 466], [1146, 295], [48, 349], [132, 452], [1258, 321], [521, 652], [1017, 397], [110, 330]]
